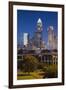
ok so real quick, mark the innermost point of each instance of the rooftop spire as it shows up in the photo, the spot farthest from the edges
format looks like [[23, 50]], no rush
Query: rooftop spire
[[39, 20]]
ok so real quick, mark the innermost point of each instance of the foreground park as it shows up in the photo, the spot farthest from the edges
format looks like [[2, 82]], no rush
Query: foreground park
[[31, 68]]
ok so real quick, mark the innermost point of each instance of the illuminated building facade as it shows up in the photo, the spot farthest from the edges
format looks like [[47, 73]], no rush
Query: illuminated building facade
[[26, 39], [52, 39]]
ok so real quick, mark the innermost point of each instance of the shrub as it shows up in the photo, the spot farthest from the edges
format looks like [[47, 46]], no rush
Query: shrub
[[51, 71]]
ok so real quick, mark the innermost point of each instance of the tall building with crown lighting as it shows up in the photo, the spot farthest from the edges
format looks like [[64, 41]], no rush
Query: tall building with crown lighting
[[37, 41]]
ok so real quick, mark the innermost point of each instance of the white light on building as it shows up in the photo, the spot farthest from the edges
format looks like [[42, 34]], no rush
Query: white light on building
[[39, 24], [25, 39]]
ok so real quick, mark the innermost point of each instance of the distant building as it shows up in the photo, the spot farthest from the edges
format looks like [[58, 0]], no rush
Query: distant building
[[37, 42], [52, 40], [26, 39], [38, 34]]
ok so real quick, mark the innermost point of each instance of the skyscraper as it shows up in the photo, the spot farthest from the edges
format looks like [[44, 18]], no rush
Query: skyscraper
[[26, 39], [52, 40], [38, 34], [36, 42]]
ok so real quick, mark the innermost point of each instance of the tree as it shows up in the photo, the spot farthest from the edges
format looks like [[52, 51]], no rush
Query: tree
[[30, 62]]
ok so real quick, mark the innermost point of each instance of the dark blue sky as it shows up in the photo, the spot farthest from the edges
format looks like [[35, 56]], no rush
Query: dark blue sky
[[27, 22]]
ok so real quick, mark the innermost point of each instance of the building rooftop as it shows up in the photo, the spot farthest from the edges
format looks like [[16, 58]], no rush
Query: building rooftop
[[39, 20]]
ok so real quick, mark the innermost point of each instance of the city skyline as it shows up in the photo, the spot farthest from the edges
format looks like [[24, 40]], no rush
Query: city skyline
[[27, 23]]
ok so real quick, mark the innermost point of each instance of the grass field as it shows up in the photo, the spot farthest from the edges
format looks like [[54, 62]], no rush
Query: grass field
[[49, 71], [31, 75]]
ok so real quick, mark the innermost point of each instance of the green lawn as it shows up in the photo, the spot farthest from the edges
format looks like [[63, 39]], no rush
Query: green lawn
[[31, 75], [47, 72], [24, 77]]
